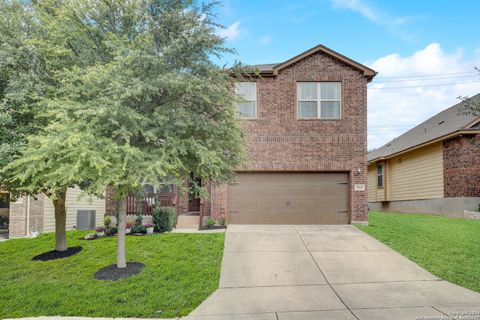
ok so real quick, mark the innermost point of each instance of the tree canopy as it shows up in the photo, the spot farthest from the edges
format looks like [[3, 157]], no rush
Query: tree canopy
[[132, 96]]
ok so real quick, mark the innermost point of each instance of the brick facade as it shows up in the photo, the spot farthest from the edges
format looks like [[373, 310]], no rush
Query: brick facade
[[218, 202], [37, 213], [110, 202], [16, 228], [278, 141], [461, 166], [18, 216]]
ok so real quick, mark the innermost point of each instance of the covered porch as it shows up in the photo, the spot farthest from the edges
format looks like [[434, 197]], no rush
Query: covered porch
[[190, 210]]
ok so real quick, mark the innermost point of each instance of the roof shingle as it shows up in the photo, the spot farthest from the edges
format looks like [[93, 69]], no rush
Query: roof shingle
[[446, 122]]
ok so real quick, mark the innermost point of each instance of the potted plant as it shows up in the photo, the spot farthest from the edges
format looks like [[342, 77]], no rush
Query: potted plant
[[100, 231], [149, 228], [129, 226]]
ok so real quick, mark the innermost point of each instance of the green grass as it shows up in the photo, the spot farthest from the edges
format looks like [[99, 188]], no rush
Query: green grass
[[447, 247], [181, 270]]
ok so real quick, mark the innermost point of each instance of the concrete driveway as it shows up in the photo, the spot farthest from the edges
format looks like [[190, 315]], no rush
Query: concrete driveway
[[325, 272]]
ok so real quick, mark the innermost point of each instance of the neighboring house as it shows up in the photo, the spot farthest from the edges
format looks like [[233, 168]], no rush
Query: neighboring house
[[433, 168], [305, 122], [28, 214]]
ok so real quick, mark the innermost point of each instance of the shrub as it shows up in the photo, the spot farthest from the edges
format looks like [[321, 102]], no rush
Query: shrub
[[111, 231], [211, 222], [107, 221], [138, 220], [138, 229], [163, 219]]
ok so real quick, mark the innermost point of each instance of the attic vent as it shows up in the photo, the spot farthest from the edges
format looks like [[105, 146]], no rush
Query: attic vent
[[388, 145], [441, 122], [85, 219]]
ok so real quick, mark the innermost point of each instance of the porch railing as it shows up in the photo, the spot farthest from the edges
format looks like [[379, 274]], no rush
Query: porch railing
[[145, 204]]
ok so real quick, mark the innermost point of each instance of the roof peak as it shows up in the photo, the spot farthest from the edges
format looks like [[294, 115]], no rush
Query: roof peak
[[274, 68]]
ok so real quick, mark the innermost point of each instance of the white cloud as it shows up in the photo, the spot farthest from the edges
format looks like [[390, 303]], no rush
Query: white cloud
[[266, 39], [232, 32], [394, 111], [395, 25], [358, 6]]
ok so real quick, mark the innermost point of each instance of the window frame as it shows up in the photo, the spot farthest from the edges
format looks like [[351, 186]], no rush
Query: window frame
[[382, 175], [319, 100], [244, 100]]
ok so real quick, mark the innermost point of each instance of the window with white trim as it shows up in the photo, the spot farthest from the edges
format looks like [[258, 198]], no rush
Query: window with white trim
[[246, 99], [380, 175], [319, 100]]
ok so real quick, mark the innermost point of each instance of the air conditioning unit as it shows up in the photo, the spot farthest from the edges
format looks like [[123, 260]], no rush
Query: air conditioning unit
[[85, 219]]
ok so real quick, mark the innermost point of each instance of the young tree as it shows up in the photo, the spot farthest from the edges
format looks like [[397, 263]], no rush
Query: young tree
[[61, 156]]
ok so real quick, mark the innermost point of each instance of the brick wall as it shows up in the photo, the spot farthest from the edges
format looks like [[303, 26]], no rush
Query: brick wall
[[218, 202], [18, 216], [461, 166], [110, 202], [277, 141], [36, 213]]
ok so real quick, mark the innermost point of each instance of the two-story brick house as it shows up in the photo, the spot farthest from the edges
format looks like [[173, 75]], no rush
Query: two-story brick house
[[305, 121]]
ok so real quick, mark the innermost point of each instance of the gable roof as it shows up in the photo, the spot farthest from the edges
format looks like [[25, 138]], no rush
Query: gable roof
[[274, 68], [449, 122]]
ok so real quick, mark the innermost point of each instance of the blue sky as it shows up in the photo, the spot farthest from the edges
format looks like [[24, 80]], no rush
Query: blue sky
[[410, 40]]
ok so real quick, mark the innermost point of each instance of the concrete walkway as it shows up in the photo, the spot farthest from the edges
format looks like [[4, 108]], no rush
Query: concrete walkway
[[326, 272]]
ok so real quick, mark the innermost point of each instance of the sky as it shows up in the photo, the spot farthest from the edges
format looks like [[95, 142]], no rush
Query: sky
[[424, 51]]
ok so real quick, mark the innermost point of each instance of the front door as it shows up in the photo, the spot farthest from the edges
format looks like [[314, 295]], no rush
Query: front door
[[193, 199]]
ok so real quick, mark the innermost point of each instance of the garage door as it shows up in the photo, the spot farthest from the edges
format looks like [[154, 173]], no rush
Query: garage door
[[289, 198]]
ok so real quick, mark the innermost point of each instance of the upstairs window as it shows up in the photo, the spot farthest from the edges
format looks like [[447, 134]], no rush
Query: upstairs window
[[246, 99], [380, 175], [319, 100]]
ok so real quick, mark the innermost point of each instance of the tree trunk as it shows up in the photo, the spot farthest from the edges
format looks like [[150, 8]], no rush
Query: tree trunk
[[121, 224], [60, 221]]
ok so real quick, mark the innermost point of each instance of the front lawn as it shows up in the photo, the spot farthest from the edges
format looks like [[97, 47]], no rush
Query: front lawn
[[181, 270], [449, 248]]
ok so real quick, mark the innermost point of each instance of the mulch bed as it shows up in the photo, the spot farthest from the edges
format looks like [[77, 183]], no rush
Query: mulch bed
[[112, 273], [54, 254], [213, 228]]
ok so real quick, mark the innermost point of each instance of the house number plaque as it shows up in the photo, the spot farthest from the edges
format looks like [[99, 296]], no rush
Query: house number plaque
[[359, 187]]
